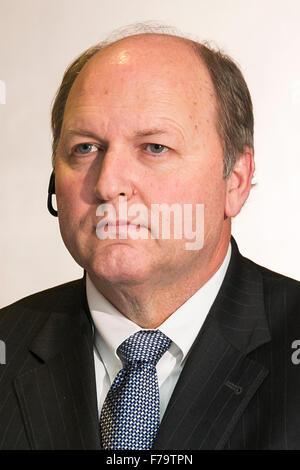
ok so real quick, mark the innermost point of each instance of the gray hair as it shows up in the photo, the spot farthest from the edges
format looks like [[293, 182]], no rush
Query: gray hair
[[235, 120]]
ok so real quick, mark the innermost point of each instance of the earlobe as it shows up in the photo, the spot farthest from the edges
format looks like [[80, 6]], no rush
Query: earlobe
[[239, 183]]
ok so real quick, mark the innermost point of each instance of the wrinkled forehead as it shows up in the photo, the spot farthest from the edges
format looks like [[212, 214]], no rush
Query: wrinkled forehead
[[142, 70]]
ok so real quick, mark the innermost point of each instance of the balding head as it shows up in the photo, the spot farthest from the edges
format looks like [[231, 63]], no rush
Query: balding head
[[234, 120], [134, 74]]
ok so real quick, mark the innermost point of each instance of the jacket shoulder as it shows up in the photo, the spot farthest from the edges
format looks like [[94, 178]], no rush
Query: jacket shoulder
[[22, 320], [47, 300], [274, 277], [281, 294]]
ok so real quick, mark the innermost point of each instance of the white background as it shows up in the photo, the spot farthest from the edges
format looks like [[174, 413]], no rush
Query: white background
[[39, 38]]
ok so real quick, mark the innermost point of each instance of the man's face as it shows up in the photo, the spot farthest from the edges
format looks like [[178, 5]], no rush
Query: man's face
[[140, 121]]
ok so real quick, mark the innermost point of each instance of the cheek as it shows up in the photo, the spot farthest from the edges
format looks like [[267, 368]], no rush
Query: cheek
[[70, 203], [208, 189], [213, 195], [67, 199]]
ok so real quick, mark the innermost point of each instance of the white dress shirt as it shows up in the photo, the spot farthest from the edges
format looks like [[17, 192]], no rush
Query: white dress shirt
[[111, 328]]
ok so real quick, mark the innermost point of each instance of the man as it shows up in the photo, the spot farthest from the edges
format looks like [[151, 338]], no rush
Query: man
[[158, 346]]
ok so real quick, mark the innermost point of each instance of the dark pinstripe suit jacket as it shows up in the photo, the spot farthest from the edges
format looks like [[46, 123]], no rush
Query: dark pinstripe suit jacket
[[238, 390]]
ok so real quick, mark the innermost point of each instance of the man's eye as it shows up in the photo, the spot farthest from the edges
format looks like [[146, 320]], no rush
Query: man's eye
[[84, 149], [157, 148]]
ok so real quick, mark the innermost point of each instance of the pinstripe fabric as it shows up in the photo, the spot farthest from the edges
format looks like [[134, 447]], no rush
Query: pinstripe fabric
[[238, 390], [48, 383], [257, 314], [272, 418]]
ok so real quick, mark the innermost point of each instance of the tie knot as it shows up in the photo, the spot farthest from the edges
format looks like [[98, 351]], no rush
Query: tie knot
[[144, 346]]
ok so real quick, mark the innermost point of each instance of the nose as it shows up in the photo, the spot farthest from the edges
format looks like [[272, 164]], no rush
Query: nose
[[115, 176]]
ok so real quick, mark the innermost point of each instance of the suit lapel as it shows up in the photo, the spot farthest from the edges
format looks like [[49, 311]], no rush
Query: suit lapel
[[219, 379], [58, 398]]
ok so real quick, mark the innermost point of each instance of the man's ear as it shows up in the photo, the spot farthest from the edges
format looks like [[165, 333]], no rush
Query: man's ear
[[239, 182]]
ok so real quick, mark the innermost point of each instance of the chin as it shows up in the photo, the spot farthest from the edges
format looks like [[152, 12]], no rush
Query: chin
[[120, 264]]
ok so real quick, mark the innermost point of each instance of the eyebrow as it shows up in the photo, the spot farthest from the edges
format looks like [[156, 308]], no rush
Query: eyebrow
[[139, 134], [153, 131], [83, 132]]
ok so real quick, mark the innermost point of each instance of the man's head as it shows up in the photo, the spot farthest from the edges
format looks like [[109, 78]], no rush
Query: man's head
[[147, 117], [234, 106]]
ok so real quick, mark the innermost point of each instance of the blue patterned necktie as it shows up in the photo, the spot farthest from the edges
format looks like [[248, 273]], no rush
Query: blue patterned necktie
[[130, 414]]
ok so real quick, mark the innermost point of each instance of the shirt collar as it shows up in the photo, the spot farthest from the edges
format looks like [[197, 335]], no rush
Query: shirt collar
[[112, 327]]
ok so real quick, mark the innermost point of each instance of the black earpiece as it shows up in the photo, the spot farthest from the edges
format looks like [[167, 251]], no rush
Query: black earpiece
[[51, 191]]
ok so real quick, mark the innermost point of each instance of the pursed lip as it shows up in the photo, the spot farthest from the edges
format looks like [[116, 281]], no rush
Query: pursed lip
[[116, 223]]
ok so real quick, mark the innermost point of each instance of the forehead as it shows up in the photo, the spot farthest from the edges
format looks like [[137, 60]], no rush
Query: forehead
[[144, 74]]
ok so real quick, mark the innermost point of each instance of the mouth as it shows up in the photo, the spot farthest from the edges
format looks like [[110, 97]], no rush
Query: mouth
[[123, 229], [108, 225]]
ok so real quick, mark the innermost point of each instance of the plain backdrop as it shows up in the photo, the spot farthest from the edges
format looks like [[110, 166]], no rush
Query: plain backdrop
[[39, 39]]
